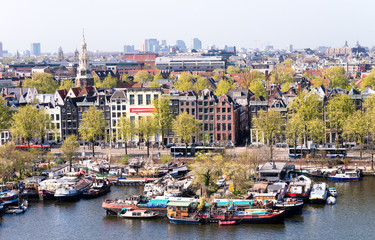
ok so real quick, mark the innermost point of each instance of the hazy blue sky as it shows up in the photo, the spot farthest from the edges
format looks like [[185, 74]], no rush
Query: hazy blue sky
[[111, 24]]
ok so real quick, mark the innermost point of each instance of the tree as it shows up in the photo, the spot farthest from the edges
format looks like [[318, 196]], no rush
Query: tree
[[281, 74], [369, 80], [184, 82], [44, 125], [294, 130], [25, 123], [258, 89], [158, 77], [43, 82], [66, 84], [270, 124], [249, 77], [233, 69], [200, 84], [5, 115], [153, 84], [356, 127], [125, 78], [125, 130], [69, 148], [92, 125], [336, 76], [185, 127], [142, 77], [223, 87], [146, 128], [109, 81], [338, 110], [162, 116]]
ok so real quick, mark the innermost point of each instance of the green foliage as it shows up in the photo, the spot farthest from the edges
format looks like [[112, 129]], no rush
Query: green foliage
[[125, 130], [66, 84], [92, 125], [109, 81], [258, 89], [146, 128], [162, 115], [356, 127], [153, 84], [26, 122], [184, 82], [338, 110], [5, 115], [294, 129], [318, 81], [288, 62], [282, 75], [125, 78], [269, 123], [369, 80], [307, 105], [142, 77], [185, 127], [125, 160], [233, 69], [337, 77], [166, 158], [59, 161], [158, 77], [69, 148], [223, 87], [43, 82], [200, 84], [249, 77]]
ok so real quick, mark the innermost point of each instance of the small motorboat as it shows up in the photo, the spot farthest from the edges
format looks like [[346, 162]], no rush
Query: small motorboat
[[290, 205], [332, 191], [184, 220], [346, 176], [331, 200], [136, 213], [17, 209], [319, 193], [221, 223]]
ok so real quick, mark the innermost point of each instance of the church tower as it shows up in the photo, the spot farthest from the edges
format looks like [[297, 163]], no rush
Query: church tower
[[84, 77]]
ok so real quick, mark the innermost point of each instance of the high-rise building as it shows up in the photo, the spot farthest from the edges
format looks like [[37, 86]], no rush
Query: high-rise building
[[35, 49], [1, 49], [197, 44], [180, 44], [128, 48], [289, 48], [150, 45]]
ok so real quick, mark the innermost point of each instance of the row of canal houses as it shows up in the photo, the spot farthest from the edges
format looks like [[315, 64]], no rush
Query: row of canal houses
[[225, 119]]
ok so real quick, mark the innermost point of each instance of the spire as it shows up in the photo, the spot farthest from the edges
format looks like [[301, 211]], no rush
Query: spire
[[346, 44]]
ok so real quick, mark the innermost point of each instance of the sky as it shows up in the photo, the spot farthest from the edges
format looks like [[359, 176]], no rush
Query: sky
[[111, 24]]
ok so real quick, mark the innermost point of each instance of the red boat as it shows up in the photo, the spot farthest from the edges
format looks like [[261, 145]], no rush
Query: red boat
[[263, 217], [300, 188], [227, 223], [115, 206]]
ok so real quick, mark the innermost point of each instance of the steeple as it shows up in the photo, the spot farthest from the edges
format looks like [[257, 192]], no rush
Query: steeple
[[84, 77]]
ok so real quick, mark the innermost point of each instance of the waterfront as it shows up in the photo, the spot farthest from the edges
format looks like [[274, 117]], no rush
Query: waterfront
[[350, 218]]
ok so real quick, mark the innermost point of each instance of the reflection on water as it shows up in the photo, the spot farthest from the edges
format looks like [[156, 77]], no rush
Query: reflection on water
[[350, 218]]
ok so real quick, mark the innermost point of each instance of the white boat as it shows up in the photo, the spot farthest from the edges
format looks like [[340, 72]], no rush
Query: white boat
[[136, 213], [72, 189], [17, 209], [9, 197], [346, 176], [299, 188], [332, 191], [331, 200], [319, 193]]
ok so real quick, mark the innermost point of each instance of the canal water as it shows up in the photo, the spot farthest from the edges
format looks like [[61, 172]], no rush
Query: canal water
[[353, 217]]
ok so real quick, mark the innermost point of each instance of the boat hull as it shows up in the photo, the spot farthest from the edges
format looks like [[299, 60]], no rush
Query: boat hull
[[69, 197], [318, 200], [290, 209], [185, 221], [101, 192], [271, 218], [46, 195], [339, 179]]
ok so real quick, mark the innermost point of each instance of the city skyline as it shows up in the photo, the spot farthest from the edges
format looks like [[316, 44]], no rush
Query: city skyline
[[248, 24]]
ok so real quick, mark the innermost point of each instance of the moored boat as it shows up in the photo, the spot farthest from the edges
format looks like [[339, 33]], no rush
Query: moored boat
[[18, 209], [290, 205], [300, 188], [2, 209], [9, 197], [221, 223], [319, 193], [346, 176], [331, 200], [332, 191], [185, 220], [72, 189], [136, 213], [99, 188], [115, 206]]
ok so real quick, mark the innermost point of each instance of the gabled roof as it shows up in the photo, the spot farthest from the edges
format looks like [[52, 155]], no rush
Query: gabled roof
[[353, 91], [87, 91], [128, 85], [119, 94], [62, 93]]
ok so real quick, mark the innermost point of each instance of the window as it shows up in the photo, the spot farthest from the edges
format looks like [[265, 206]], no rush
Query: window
[[218, 117], [224, 118], [148, 99], [211, 117], [205, 117], [211, 103], [229, 127], [218, 110], [52, 116], [114, 123], [200, 117], [205, 104], [224, 136], [200, 110], [57, 117], [223, 103], [57, 125], [218, 127], [200, 103], [205, 127], [113, 115], [224, 127], [211, 110], [118, 107], [218, 137], [192, 103], [206, 110], [229, 137], [118, 115], [132, 118], [182, 103], [140, 99], [123, 107], [193, 111], [223, 110], [229, 117], [229, 109], [211, 127], [187, 104], [156, 96], [131, 100], [187, 110]]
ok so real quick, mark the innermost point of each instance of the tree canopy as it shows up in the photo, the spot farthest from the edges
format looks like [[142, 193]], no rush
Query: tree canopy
[[5, 115], [69, 148], [162, 116], [258, 89], [185, 127], [92, 125], [43, 82], [146, 128], [184, 82], [66, 84], [200, 84], [224, 86], [142, 77], [125, 130], [336, 76], [338, 110], [369, 80], [233, 69], [109, 81]]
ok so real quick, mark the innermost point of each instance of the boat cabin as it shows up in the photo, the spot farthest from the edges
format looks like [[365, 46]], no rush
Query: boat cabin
[[179, 209], [271, 171]]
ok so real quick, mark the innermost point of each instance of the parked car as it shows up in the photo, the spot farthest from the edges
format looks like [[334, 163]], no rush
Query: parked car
[[170, 145], [221, 182], [230, 144]]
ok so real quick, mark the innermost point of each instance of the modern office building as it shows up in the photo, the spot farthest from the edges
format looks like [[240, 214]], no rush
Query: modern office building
[[150, 45], [197, 44], [200, 63], [1, 49], [180, 44], [128, 48], [35, 49]]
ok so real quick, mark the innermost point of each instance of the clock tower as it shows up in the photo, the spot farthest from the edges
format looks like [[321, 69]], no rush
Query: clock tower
[[84, 77]]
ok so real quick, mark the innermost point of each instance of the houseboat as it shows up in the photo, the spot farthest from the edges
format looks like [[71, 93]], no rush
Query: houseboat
[[300, 188], [346, 176], [72, 189], [319, 193], [136, 213], [99, 188], [182, 213]]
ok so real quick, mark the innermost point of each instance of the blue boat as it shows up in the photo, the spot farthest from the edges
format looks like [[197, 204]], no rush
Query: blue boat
[[184, 220], [347, 176]]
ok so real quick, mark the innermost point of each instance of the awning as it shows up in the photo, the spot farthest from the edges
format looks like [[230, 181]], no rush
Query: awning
[[179, 204]]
